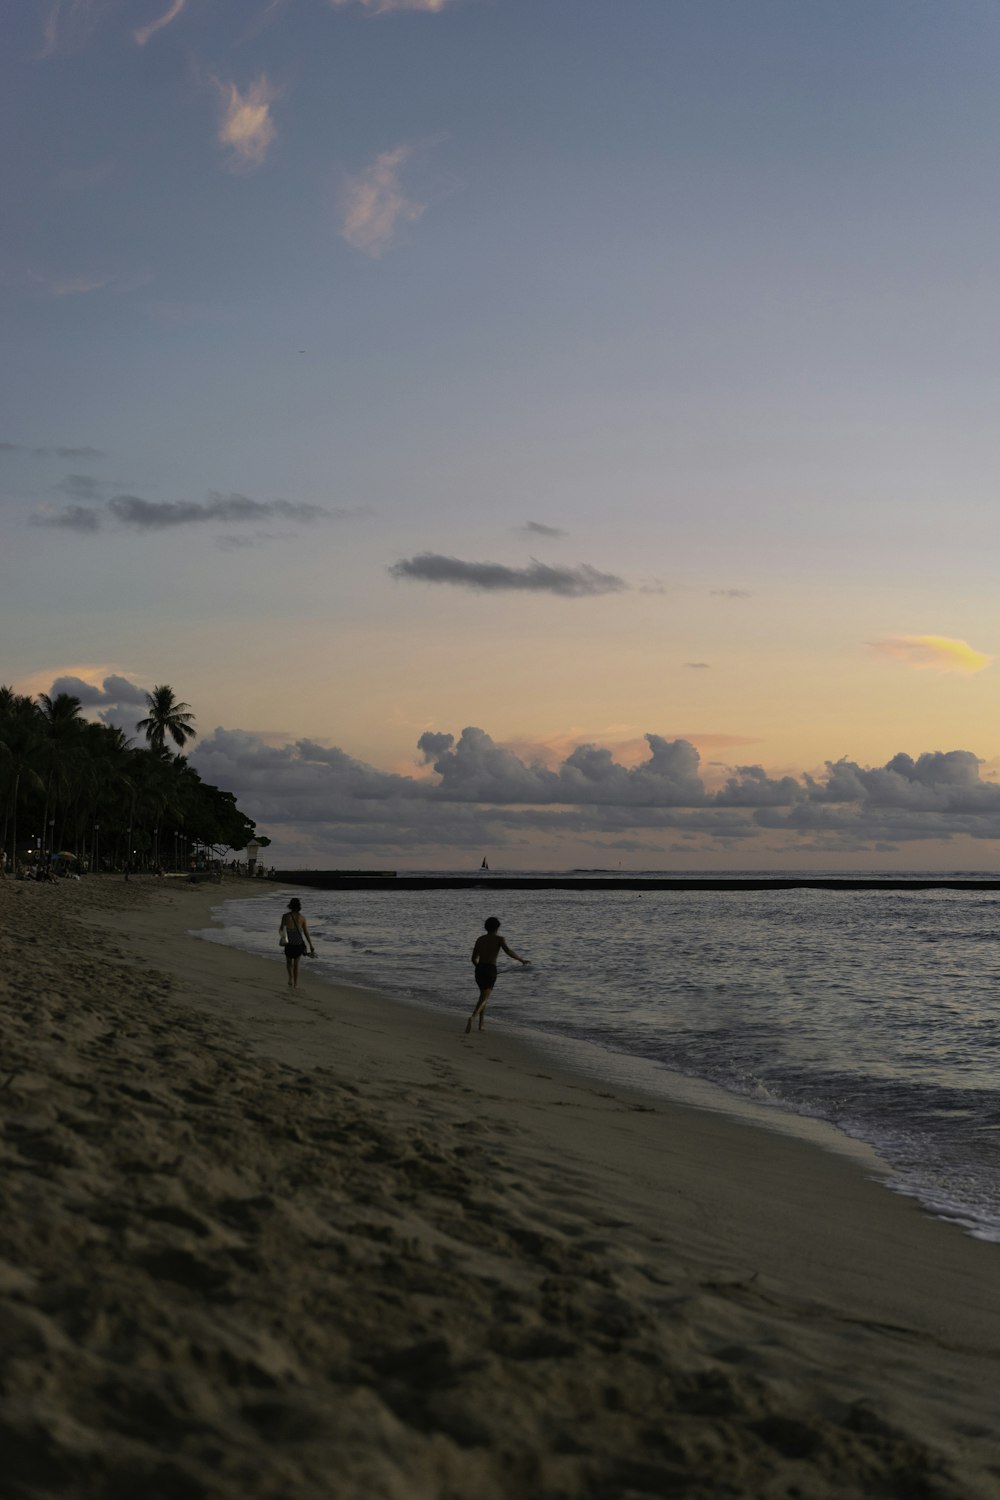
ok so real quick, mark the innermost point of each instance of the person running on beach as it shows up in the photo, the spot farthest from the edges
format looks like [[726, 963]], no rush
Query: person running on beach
[[296, 932], [484, 955]]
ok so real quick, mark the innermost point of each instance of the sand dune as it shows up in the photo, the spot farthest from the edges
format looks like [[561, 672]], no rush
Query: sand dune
[[259, 1246]]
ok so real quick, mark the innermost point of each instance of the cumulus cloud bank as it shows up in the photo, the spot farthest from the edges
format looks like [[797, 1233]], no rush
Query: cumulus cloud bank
[[114, 690], [538, 578], [481, 789]]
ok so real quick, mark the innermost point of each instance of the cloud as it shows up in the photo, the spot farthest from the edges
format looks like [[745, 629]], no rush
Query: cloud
[[374, 204], [73, 286], [535, 528], [163, 515], [83, 486], [144, 33], [49, 452], [476, 769], [578, 582], [69, 24], [70, 518], [81, 286], [698, 666], [159, 515], [480, 791], [113, 691], [384, 7], [732, 593], [246, 127], [940, 653], [73, 452]]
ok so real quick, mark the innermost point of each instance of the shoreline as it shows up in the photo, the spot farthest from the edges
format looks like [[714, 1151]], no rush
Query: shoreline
[[496, 1243], [590, 1061], [655, 1082], [388, 881]]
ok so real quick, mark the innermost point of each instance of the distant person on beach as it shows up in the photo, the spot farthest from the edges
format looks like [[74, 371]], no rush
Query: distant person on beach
[[488, 947], [295, 930]]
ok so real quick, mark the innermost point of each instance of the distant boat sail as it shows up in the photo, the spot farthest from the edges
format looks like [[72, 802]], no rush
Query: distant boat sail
[[484, 865]]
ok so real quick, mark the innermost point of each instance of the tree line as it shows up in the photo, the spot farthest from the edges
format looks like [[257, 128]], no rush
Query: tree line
[[69, 784]]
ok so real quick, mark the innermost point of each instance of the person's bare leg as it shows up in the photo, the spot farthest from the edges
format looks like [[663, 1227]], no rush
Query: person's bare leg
[[288, 966], [484, 995], [295, 973]]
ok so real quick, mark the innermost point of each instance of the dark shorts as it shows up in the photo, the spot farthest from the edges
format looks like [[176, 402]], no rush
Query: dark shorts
[[486, 976], [294, 950]]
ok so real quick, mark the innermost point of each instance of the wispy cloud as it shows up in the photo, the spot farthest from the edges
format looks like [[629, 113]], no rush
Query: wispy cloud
[[246, 128], [538, 578], [164, 515], [68, 25], [374, 204], [71, 286], [732, 593], [940, 653], [59, 452], [81, 286], [70, 518], [81, 486], [144, 33], [536, 528], [384, 7], [698, 666]]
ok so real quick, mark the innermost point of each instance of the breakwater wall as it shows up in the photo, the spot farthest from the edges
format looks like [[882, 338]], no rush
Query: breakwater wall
[[387, 882]]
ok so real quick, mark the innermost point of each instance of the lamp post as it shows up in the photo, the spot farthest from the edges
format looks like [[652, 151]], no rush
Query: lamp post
[[97, 848], [52, 838]]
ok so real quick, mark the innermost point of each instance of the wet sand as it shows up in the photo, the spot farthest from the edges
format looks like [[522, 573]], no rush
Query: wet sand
[[263, 1245]]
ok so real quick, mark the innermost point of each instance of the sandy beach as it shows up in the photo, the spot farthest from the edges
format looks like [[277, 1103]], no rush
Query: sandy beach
[[265, 1245]]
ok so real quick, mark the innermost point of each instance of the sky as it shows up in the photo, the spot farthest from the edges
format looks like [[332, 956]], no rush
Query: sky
[[556, 430]]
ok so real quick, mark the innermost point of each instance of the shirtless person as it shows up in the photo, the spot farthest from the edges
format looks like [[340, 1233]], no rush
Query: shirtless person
[[484, 956]]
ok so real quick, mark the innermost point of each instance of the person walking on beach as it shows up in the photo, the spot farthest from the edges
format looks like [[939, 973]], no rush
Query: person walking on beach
[[488, 947], [294, 935]]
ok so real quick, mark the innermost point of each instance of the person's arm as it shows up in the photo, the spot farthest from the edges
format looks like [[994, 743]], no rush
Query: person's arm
[[305, 928], [510, 952], [475, 950]]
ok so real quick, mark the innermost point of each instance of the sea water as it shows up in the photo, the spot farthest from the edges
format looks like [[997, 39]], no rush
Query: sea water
[[877, 1012]]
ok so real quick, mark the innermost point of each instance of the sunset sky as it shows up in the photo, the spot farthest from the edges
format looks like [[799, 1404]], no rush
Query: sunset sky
[[561, 430]]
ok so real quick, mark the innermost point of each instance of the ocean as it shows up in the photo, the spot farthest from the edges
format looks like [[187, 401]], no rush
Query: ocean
[[875, 1012]]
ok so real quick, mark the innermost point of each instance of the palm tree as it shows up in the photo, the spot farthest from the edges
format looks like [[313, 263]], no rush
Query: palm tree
[[62, 727], [21, 746], [167, 716]]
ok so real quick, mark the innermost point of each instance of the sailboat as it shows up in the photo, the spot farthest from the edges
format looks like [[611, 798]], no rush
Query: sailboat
[[484, 865]]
